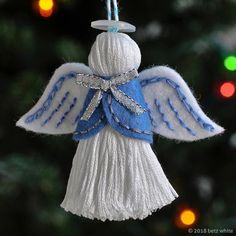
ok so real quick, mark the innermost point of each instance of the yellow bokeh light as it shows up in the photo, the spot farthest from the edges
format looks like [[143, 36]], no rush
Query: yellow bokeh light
[[46, 5], [187, 217]]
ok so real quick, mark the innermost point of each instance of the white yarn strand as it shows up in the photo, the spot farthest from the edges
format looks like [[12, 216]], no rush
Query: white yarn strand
[[116, 178]]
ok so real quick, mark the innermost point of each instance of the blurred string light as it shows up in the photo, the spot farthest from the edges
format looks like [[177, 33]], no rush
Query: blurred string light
[[227, 89], [230, 63], [184, 5], [151, 31], [205, 187], [232, 140], [186, 217], [46, 7]]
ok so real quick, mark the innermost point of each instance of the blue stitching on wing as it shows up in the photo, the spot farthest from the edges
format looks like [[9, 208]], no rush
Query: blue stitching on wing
[[57, 109], [153, 80], [153, 122], [46, 105], [163, 116], [72, 105], [196, 117], [180, 120], [182, 98]]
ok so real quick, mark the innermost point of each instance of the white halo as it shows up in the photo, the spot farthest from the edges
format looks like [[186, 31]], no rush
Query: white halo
[[121, 26]]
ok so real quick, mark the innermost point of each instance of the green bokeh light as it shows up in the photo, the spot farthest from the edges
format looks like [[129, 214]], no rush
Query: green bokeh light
[[230, 63]]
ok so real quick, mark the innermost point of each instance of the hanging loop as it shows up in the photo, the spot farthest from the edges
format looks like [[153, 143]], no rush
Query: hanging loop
[[109, 13], [115, 10]]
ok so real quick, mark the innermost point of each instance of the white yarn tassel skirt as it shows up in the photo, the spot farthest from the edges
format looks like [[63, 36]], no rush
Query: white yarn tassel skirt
[[114, 177]]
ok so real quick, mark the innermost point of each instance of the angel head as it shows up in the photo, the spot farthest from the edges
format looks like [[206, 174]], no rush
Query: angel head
[[113, 54]]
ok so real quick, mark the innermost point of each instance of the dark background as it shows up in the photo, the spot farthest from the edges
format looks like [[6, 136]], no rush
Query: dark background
[[192, 36]]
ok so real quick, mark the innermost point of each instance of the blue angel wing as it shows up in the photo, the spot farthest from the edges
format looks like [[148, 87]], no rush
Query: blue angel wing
[[57, 109], [174, 112]]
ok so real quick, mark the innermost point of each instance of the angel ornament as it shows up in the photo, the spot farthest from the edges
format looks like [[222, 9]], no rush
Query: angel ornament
[[113, 111]]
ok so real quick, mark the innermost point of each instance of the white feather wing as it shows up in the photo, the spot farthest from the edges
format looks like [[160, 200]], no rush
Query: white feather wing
[[57, 109], [174, 111]]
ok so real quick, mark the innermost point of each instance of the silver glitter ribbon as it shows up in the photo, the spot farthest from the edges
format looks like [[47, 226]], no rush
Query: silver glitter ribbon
[[102, 85]]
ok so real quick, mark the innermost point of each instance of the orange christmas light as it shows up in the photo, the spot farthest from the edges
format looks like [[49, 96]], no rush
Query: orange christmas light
[[186, 217], [46, 7]]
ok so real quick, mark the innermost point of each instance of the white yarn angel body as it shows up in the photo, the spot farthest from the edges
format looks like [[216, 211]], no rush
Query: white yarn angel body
[[115, 176]]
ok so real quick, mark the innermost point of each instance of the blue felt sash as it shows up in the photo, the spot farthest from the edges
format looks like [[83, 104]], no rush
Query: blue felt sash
[[116, 115]]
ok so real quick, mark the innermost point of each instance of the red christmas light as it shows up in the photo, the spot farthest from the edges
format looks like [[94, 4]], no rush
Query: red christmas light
[[227, 89], [45, 13]]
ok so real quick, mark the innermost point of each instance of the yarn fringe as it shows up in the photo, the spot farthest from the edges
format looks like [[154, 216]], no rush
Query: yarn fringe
[[116, 178]]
